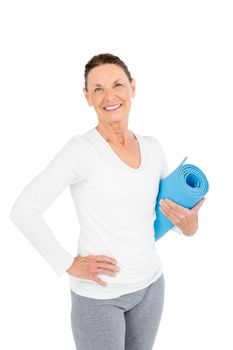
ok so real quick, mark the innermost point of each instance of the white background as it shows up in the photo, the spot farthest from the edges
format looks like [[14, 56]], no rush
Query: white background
[[180, 54]]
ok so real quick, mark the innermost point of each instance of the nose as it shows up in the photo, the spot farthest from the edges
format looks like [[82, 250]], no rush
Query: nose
[[109, 94]]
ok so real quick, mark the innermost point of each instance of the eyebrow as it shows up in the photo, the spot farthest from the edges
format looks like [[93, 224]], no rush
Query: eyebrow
[[113, 82]]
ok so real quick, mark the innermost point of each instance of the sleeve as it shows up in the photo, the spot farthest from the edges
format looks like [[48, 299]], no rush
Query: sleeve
[[27, 212], [164, 173]]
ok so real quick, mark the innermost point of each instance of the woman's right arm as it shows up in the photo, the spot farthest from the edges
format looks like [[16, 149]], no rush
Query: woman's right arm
[[39, 194]]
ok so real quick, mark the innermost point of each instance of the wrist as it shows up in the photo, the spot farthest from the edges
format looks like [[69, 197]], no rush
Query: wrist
[[70, 267]]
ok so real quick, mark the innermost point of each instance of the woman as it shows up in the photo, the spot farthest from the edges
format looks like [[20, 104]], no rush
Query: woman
[[116, 279]]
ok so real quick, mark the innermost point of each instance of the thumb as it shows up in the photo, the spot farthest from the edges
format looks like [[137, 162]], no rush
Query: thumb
[[198, 205]]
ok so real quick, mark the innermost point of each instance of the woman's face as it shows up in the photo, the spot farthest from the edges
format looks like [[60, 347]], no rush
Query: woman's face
[[109, 86]]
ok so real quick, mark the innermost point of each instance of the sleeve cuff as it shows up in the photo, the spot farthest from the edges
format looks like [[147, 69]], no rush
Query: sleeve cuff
[[177, 230], [62, 269]]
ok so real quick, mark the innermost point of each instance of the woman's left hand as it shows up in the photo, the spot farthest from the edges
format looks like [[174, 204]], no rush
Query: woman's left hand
[[185, 219]]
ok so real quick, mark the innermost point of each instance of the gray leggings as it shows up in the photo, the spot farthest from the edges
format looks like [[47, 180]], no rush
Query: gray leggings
[[129, 322]]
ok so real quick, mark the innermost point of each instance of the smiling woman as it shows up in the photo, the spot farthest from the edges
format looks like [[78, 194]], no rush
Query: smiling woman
[[109, 88], [113, 174]]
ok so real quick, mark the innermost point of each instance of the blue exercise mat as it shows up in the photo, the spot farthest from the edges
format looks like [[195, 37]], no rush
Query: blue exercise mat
[[186, 186]]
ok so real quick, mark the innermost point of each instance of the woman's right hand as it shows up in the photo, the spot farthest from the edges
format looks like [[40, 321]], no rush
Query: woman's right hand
[[89, 266]]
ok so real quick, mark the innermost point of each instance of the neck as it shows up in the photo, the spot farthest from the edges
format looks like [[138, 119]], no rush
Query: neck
[[116, 136]]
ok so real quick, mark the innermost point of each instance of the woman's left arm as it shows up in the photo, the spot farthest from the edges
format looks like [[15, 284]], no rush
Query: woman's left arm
[[185, 219]]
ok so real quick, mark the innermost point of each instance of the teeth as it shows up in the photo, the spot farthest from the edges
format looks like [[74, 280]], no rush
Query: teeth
[[113, 107]]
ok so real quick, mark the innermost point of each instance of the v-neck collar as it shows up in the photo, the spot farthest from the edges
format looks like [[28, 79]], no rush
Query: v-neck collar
[[112, 154]]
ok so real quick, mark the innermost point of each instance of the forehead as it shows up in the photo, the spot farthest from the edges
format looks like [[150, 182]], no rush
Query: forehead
[[106, 73]]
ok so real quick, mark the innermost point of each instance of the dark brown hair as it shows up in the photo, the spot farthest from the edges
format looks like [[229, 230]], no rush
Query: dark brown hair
[[105, 58]]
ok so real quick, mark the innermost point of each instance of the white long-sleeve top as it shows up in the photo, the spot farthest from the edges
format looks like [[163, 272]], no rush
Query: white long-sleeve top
[[115, 206]]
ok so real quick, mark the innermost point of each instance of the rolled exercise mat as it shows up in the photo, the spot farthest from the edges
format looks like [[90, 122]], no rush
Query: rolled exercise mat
[[186, 186]]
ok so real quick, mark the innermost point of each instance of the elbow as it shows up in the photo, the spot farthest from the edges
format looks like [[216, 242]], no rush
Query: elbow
[[15, 213], [20, 210], [23, 210]]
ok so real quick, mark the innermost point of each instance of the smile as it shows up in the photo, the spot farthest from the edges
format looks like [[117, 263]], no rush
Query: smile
[[112, 108]]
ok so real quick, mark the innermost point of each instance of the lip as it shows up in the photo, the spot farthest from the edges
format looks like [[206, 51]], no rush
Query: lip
[[112, 110]]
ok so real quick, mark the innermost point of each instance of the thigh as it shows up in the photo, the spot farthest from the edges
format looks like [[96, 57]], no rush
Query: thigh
[[142, 321], [96, 325]]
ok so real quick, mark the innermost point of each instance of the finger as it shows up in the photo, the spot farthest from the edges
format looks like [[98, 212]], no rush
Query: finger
[[99, 281], [106, 272], [108, 259], [173, 207], [109, 267], [174, 218]]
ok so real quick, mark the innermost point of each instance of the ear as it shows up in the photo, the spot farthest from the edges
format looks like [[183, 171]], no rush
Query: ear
[[87, 96], [133, 87]]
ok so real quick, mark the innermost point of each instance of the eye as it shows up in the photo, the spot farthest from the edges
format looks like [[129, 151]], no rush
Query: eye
[[98, 89], [118, 84]]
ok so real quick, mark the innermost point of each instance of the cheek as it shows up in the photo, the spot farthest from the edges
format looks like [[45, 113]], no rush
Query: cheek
[[125, 96], [97, 102]]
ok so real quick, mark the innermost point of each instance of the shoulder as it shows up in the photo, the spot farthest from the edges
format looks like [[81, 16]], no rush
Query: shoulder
[[73, 150], [74, 141], [75, 145], [72, 156], [152, 142]]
